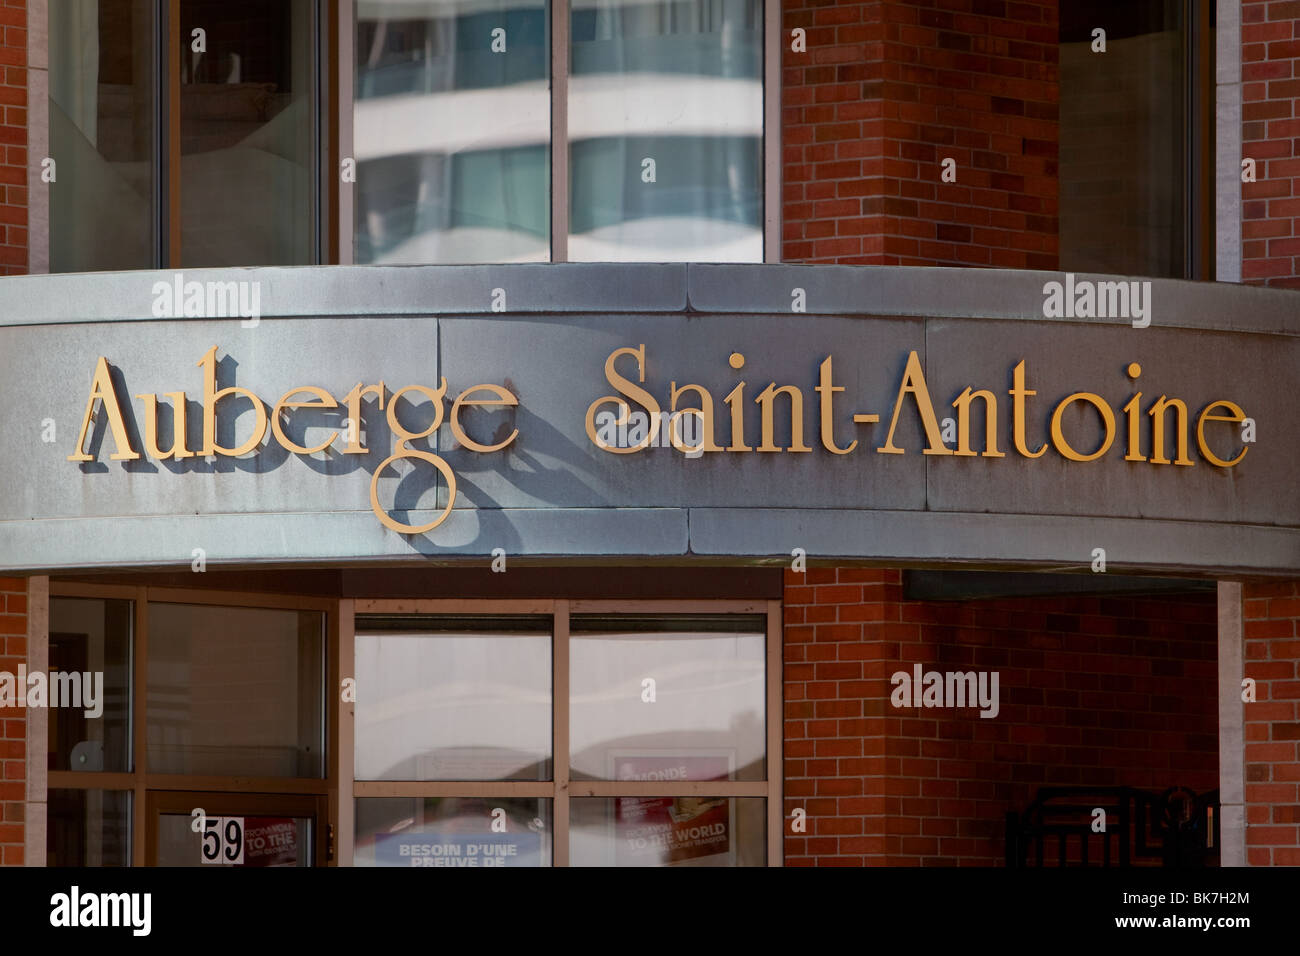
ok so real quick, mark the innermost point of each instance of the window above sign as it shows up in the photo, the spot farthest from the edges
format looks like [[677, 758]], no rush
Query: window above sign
[[188, 133], [465, 123], [184, 133]]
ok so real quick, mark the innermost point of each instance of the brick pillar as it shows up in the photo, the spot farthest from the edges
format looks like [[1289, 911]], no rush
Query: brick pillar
[[1093, 691], [1270, 129], [13, 137], [1272, 723], [836, 696], [884, 93], [13, 724]]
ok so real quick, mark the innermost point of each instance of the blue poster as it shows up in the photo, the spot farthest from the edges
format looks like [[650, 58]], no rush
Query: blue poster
[[458, 849]]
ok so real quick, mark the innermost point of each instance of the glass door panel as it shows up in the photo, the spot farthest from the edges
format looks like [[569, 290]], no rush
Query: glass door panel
[[188, 828]]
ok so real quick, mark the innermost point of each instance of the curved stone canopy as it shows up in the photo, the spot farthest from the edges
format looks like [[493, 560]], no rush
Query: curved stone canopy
[[915, 416]]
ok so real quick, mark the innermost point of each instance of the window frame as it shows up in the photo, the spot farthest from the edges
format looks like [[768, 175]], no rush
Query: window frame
[[165, 151], [143, 784], [323, 70], [560, 789], [1197, 149], [342, 96]]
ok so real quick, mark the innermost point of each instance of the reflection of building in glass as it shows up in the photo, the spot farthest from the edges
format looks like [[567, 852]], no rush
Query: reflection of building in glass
[[452, 140]]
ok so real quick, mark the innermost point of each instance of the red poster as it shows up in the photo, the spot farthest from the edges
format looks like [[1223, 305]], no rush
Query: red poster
[[667, 831], [270, 841]]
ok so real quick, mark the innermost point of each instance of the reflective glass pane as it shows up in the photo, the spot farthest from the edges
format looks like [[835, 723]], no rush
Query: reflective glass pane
[[667, 698], [668, 831], [451, 131], [235, 690], [102, 100], [241, 841], [452, 831], [90, 651], [1123, 125], [88, 828], [248, 108], [666, 131], [453, 699]]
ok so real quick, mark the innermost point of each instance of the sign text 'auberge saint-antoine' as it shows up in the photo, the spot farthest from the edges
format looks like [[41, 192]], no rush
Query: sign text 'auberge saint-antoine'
[[1165, 425]]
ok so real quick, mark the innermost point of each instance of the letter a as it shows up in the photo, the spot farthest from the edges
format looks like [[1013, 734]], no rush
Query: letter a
[[1053, 304], [901, 696], [914, 384], [101, 390]]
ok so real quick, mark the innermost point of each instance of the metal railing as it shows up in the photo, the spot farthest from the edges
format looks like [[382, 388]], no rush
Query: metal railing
[[1115, 826]]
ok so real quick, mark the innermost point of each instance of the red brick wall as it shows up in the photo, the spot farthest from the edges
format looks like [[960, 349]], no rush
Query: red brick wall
[[1272, 723], [886, 91], [1101, 691], [1270, 133], [13, 261], [13, 137], [13, 725]]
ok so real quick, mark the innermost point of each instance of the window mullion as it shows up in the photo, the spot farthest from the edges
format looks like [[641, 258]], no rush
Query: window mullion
[[169, 136], [772, 165], [560, 732], [139, 729], [559, 130], [775, 763]]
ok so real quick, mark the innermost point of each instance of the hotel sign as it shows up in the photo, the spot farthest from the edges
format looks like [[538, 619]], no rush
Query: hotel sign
[[1154, 430], [620, 413]]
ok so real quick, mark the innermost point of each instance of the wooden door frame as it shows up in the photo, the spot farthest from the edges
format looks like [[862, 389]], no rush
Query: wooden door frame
[[234, 803]]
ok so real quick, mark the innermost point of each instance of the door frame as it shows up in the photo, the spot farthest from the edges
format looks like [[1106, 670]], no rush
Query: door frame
[[140, 781], [235, 803]]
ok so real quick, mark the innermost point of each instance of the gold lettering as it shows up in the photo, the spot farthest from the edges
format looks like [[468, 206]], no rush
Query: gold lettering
[[210, 398], [387, 520], [178, 449], [1107, 416], [705, 411], [503, 397], [962, 404], [403, 434], [1238, 416], [325, 400], [631, 390], [914, 384], [1157, 413], [101, 390], [734, 398], [402, 450], [1134, 434], [767, 399], [1018, 394], [353, 402], [827, 392]]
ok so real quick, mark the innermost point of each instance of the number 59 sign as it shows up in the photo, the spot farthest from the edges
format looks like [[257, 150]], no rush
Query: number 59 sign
[[222, 839]]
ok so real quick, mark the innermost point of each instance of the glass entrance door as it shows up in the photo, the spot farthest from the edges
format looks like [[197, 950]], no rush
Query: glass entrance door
[[192, 828]]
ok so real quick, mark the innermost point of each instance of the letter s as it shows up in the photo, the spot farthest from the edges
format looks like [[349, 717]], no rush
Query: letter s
[[632, 391]]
